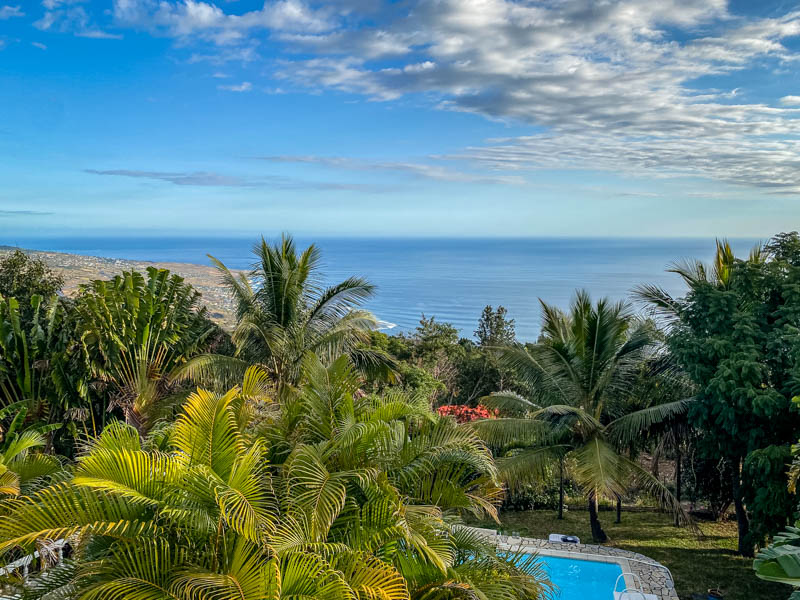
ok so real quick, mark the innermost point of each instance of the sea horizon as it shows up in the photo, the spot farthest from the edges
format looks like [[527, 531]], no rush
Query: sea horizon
[[451, 279]]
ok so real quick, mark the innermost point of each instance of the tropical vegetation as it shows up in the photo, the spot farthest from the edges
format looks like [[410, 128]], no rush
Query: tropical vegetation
[[305, 452], [581, 414]]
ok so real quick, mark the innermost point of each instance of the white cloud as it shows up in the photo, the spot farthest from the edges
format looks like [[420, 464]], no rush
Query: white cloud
[[791, 100], [211, 179], [188, 18], [7, 12], [200, 178], [39, 45], [427, 171], [56, 4], [98, 34], [69, 16], [770, 164], [245, 86]]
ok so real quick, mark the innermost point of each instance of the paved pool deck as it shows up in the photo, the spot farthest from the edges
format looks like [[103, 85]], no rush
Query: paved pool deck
[[655, 578]]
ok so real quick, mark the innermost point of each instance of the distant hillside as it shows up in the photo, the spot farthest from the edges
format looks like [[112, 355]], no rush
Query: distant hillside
[[78, 269]]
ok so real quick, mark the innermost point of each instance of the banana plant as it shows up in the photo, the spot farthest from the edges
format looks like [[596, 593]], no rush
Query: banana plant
[[780, 561], [30, 363]]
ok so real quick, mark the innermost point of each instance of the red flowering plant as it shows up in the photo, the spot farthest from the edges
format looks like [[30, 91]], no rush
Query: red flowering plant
[[466, 414]]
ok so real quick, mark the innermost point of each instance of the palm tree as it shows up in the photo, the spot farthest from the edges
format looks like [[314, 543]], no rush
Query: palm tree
[[285, 311], [196, 509], [428, 459], [22, 468], [578, 415]]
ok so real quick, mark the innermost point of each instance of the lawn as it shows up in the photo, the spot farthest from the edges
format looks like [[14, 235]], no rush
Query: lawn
[[696, 563]]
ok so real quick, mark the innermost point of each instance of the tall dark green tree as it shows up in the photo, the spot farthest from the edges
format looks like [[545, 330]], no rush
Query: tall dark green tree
[[737, 336]]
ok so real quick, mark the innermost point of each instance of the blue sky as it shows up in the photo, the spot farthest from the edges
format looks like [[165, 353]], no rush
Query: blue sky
[[439, 117]]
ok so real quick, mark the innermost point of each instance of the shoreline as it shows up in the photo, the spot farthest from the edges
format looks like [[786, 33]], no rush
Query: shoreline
[[78, 269]]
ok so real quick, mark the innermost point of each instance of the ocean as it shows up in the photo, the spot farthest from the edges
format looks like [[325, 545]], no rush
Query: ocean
[[451, 279]]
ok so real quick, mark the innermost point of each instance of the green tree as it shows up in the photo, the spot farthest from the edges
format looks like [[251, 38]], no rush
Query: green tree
[[581, 374], [736, 336], [433, 338], [780, 561], [480, 369], [285, 311], [23, 277], [26, 413], [495, 328]]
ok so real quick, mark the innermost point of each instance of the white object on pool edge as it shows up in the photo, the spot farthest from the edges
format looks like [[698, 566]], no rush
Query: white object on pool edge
[[634, 595], [560, 538]]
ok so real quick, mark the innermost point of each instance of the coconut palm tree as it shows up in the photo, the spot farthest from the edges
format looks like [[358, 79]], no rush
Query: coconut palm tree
[[578, 416], [285, 311], [195, 510]]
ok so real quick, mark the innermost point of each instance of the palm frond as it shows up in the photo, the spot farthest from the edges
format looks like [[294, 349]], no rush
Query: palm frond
[[598, 468], [508, 401], [634, 425], [207, 432]]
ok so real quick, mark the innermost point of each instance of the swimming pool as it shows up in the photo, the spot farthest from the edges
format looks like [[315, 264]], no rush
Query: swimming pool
[[581, 579]]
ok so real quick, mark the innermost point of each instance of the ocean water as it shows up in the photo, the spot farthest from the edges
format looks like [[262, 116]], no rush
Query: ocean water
[[451, 279]]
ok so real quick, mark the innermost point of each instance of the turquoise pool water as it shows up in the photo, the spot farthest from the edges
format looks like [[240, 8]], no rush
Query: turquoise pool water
[[582, 579]]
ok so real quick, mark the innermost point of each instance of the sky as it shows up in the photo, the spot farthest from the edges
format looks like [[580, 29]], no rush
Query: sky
[[409, 118]]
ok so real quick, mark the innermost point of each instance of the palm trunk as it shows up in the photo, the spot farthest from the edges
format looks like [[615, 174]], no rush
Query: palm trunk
[[742, 521], [598, 535], [656, 459], [561, 488], [619, 509], [677, 475]]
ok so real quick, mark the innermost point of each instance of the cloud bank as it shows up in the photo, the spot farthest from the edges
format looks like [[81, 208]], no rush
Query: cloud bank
[[655, 89]]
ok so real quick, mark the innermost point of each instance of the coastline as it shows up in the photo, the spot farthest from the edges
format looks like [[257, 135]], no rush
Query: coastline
[[78, 269]]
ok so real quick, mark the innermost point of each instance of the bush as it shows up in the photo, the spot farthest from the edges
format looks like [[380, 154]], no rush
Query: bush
[[532, 497]]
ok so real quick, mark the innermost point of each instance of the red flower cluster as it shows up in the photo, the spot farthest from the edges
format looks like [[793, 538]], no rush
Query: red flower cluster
[[465, 414]]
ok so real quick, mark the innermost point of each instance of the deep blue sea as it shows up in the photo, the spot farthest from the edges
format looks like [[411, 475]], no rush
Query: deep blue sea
[[452, 279]]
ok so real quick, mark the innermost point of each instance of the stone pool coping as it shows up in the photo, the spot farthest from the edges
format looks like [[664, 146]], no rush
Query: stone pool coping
[[656, 579]]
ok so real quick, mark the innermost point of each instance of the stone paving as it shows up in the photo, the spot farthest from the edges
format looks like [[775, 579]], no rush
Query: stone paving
[[655, 578]]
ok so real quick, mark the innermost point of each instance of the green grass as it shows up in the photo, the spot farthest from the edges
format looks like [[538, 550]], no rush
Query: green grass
[[697, 564]]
